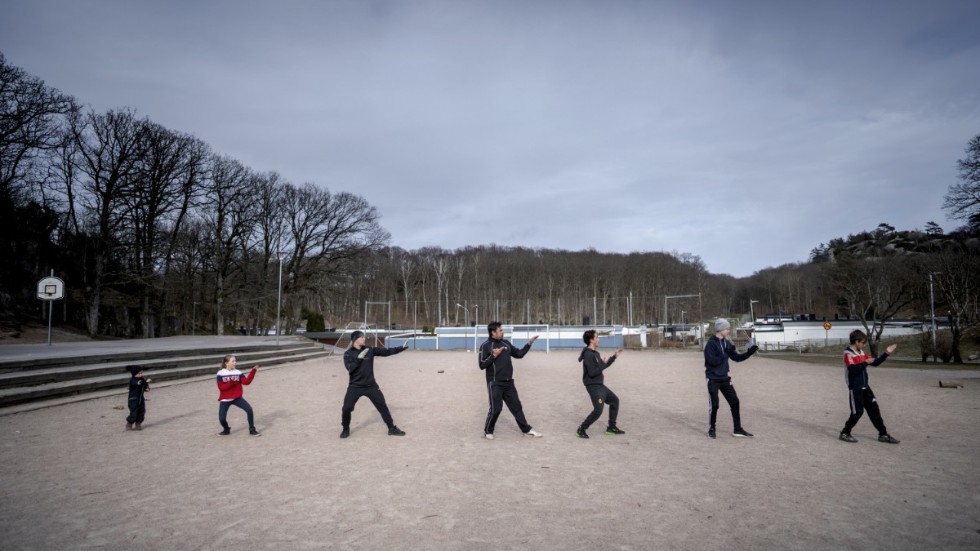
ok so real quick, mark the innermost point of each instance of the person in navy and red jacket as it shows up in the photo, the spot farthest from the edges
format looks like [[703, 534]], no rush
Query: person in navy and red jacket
[[230, 381], [856, 362]]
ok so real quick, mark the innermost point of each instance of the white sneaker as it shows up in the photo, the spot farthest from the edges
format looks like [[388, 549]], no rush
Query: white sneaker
[[488, 436], [534, 433]]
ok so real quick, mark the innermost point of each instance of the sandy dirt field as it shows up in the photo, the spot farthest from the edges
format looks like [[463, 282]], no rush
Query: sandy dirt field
[[73, 478]]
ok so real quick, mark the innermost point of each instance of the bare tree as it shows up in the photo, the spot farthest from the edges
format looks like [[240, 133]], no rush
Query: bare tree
[[956, 268], [962, 201], [169, 177], [229, 214], [271, 223], [32, 116], [109, 148], [874, 290]]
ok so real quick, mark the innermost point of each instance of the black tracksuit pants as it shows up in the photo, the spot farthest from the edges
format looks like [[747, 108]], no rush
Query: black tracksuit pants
[[864, 399], [600, 396], [377, 398], [137, 409], [501, 392], [728, 391]]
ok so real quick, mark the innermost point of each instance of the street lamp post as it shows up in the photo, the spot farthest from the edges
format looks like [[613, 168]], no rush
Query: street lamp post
[[281, 254], [752, 311], [476, 323], [466, 320], [932, 309], [193, 316]]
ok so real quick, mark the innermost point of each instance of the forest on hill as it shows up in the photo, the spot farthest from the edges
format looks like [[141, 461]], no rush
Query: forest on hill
[[156, 234]]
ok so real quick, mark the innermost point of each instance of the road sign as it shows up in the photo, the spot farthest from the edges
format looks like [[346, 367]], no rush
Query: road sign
[[827, 326], [51, 288]]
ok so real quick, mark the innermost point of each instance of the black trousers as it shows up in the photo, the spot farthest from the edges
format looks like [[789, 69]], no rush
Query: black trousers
[[728, 391], [137, 410], [864, 399], [601, 396], [377, 398], [501, 392]]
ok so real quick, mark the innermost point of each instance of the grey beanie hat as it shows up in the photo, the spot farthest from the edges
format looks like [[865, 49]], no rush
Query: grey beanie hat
[[721, 324]]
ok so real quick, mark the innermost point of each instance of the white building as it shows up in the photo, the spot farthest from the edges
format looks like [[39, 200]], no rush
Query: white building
[[794, 334]]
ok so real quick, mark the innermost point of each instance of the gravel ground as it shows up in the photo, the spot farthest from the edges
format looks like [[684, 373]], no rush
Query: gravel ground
[[72, 477]]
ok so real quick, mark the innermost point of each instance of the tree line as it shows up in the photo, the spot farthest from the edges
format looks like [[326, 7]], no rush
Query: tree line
[[157, 234]]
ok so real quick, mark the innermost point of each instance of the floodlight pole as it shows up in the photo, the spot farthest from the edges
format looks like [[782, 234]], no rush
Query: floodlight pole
[[466, 321], [476, 323], [752, 310], [666, 298], [280, 254]]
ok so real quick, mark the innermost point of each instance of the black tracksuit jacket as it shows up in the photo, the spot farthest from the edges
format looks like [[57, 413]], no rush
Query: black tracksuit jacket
[[500, 368]]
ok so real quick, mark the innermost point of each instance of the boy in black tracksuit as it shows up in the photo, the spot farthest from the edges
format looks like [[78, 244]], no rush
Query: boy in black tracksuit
[[494, 359], [592, 377], [856, 362], [137, 403], [359, 361], [717, 351]]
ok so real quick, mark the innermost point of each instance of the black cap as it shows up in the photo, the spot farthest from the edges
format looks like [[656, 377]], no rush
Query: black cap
[[356, 335], [134, 369]]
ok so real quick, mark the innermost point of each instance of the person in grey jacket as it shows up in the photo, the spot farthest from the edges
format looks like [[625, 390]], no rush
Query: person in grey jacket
[[717, 351], [592, 377]]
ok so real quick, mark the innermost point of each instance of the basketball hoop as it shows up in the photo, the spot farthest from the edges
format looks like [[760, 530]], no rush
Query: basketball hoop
[[50, 289]]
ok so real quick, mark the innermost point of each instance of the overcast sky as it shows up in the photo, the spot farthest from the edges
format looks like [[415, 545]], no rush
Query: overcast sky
[[744, 132]]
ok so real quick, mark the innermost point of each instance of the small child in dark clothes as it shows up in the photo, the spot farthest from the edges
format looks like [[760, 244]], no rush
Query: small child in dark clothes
[[137, 403]]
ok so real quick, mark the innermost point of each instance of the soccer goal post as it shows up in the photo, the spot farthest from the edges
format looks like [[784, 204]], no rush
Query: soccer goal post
[[520, 334]]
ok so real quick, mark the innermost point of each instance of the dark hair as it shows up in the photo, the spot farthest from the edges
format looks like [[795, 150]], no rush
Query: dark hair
[[493, 326], [588, 336], [858, 336]]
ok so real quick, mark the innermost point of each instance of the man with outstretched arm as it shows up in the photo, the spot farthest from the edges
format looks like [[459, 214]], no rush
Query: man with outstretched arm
[[359, 361]]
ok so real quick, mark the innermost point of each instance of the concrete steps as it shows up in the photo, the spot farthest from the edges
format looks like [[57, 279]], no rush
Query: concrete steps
[[29, 380]]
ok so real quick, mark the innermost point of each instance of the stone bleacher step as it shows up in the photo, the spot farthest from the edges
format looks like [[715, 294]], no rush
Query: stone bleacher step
[[40, 376], [21, 394]]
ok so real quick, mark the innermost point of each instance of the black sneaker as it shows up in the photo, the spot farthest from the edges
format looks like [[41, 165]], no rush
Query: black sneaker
[[887, 438], [254, 432], [225, 432], [846, 437], [395, 431], [742, 433], [711, 432], [345, 433], [615, 430], [581, 433]]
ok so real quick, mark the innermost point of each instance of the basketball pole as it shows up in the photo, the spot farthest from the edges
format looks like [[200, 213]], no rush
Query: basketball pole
[[50, 314]]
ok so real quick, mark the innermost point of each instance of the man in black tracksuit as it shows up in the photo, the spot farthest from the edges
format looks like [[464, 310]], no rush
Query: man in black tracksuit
[[494, 359], [856, 362], [359, 361], [717, 351], [592, 367]]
